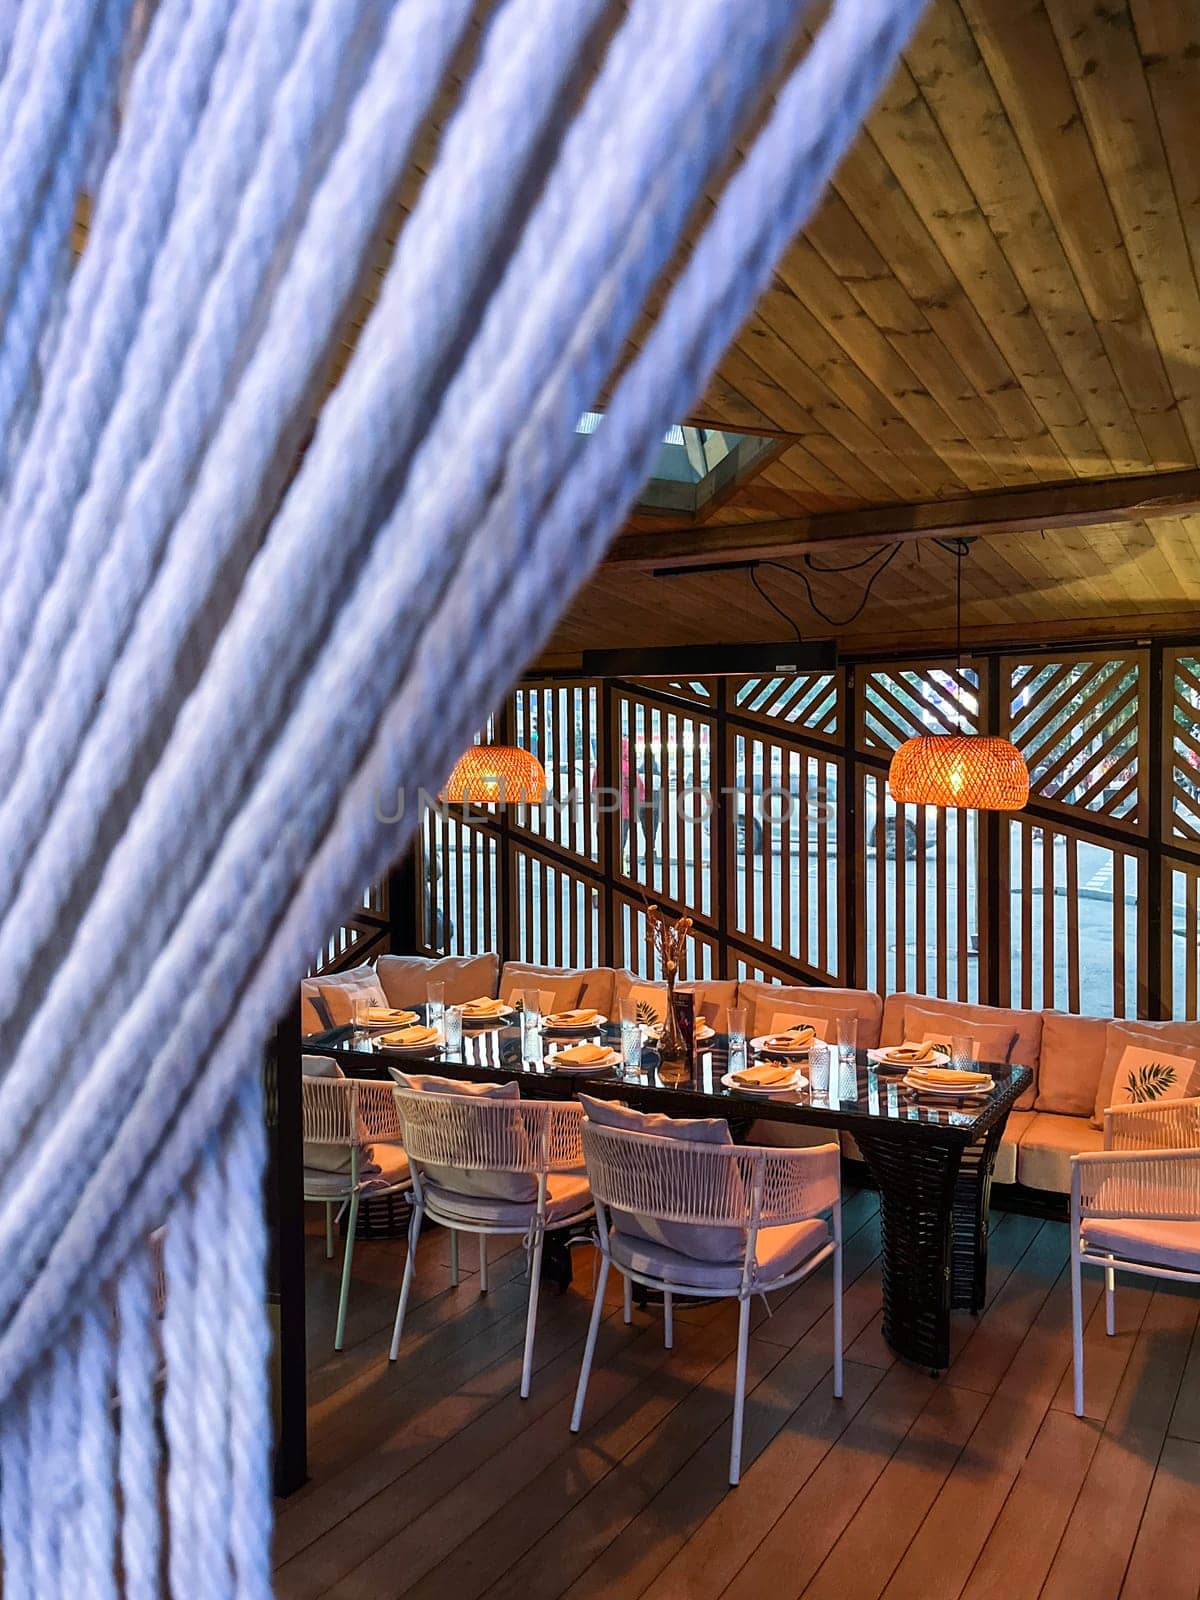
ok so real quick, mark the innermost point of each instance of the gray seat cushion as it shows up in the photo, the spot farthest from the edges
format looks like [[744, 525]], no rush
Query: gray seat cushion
[[779, 1251], [567, 1197], [1161, 1244]]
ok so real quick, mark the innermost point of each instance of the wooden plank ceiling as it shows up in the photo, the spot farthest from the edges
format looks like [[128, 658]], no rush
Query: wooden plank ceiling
[[999, 291]]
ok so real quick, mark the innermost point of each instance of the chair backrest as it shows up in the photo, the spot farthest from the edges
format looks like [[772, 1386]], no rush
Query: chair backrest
[[1159, 1125], [486, 1147], [709, 1185], [330, 1111]]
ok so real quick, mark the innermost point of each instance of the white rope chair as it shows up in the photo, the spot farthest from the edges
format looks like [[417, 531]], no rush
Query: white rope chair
[[462, 1146], [1135, 1206], [354, 1115], [769, 1194]]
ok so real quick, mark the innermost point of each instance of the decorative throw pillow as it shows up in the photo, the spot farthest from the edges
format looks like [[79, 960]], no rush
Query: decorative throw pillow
[[823, 1023], [1141, 1067], [990, 1041], [338, 993], [701, 1243], [473, 1181], [313, 1016], [713, 998]]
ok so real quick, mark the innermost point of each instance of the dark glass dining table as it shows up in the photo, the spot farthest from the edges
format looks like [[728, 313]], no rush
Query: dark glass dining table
[[931, 1161]]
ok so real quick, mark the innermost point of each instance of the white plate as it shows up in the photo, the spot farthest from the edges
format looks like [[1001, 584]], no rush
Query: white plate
[[882, 1059], [573, 1027], [796, 1081], [762, 1048], [498, 1019], [948, 1092], [554, 1059]]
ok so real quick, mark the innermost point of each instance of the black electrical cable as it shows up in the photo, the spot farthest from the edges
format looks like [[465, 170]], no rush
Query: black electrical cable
[[774, 605], [834, 622], [852, 566]]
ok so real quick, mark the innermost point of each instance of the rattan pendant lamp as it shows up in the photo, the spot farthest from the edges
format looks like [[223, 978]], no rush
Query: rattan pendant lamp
[[967, 770], [496, 774]]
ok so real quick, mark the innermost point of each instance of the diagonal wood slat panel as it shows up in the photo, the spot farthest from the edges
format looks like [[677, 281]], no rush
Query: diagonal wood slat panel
[[1181, 687], [904, 703], [1080, 724], [809, 702]]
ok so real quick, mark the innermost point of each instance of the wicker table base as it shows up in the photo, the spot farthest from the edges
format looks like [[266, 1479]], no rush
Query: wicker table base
[[933, 1203]]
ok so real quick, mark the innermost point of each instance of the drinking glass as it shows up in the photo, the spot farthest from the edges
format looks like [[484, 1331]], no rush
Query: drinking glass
[[531, 1016], [435, 1004], [962, 1052], [847, 1039], [631, 1038], [736, 1026], [360, 1016], [453, 1027], [818, 1069]]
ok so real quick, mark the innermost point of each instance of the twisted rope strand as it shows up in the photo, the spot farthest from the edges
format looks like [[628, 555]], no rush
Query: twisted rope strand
[[244, 1154], [49, 47], [15, 1498], [212, 1498], [179, 1399], [133, 209], [96, 1569], [137, 1360], [24, 331]]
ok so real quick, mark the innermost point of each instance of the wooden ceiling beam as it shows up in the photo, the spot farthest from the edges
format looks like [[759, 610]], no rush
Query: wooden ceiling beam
[[1082, 503]]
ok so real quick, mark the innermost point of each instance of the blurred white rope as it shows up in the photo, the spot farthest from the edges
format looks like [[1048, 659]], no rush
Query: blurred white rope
[[191, 807]]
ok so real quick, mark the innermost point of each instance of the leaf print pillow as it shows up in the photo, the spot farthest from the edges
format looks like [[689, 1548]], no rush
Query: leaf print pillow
[[1144, 1076]]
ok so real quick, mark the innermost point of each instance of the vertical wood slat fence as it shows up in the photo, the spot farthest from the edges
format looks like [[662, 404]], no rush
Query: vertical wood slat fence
[[760, 806]]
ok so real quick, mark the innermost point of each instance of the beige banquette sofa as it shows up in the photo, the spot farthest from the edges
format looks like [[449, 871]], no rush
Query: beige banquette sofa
[[1076, 1061]]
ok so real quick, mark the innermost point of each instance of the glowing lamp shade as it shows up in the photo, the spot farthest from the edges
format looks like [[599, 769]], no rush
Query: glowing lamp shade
[[956, 769], [496, 774]]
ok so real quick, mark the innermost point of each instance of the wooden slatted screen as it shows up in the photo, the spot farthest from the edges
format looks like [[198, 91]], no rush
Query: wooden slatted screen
[[783, 822], [903, 702], [1181, 937], [554, 911], [660, 779], [560, 724], [459, 877], [920, 923], [760, 805], [1070, 921], [363, 934], [808, 702], [1181, 734], [637, 948], [1081, 723]]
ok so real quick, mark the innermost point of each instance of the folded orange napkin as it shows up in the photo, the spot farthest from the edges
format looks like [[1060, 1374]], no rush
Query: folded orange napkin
[[574, 1019], [411, 1036], [910, 1052], [767, 1075], [386, 1014], [797, 1038], [484, 1007], [948, 1078], [584, 1055]]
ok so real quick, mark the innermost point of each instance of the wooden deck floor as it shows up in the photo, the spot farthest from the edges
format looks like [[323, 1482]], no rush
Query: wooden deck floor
[[432, 1478]]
